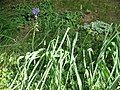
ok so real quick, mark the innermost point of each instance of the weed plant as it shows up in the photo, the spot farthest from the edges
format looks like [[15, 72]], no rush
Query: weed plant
[[68, 54]]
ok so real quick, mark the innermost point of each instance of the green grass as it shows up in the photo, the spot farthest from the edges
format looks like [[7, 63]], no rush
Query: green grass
[[65, 54]]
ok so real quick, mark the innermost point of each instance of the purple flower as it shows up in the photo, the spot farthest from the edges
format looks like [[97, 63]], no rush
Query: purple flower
[[35, 11]]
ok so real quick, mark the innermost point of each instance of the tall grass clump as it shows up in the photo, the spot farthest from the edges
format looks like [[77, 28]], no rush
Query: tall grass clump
[[53, 69], [58, 68], [100, 75]]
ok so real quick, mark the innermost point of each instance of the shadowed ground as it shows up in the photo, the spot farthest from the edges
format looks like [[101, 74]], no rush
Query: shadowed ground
[[105, 10]]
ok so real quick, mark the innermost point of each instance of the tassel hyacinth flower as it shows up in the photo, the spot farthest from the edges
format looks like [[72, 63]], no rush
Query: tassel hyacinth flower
[[35, 12]]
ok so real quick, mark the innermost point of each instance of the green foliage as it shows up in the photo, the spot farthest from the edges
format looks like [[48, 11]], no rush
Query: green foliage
[[66, 53], [19, 22], [7, 69]]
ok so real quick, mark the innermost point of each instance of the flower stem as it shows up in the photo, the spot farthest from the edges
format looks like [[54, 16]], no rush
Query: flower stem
[[33, 39]]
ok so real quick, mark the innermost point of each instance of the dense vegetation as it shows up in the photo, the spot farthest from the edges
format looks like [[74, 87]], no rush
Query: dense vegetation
[[62, 52]]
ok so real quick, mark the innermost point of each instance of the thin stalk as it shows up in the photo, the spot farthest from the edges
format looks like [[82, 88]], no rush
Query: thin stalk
[[33, 39], [35, 28]]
